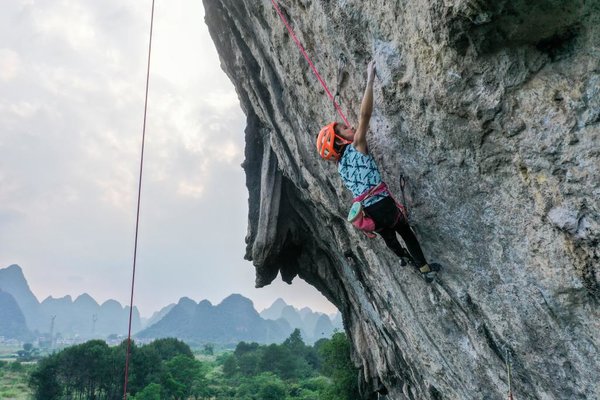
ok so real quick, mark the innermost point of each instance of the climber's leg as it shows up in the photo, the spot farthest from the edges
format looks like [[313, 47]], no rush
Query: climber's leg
[[389, 237], [385, 213], [428, 271], [412, 244]]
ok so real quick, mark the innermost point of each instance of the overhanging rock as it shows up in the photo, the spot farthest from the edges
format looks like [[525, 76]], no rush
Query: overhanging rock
[[492, 109]]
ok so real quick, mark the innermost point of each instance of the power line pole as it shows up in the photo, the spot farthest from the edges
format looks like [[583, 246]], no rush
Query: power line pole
[[52, 318]]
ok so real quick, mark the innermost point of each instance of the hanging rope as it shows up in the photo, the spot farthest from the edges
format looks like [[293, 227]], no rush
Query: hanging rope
[[312, 66], [137, 219]]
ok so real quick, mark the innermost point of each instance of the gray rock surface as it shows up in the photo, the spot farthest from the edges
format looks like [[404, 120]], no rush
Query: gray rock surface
[[492, 111]]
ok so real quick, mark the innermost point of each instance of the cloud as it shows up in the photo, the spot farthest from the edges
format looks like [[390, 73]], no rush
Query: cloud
[[190, 189], [9, 64], [69, 22], [23, 109], [72, 75]]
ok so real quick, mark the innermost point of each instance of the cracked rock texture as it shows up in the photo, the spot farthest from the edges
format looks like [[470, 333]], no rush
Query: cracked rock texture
[[491, 109]]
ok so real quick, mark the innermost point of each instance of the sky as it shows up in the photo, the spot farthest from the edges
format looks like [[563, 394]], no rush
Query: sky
[[72, 81]]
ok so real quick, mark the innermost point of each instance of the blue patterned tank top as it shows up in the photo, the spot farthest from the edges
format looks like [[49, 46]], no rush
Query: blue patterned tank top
[[360, 173]]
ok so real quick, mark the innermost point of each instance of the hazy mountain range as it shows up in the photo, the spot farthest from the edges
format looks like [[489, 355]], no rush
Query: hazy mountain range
[[229, 322], [12, 320], [82, 317], [23, 317], [313, 325]]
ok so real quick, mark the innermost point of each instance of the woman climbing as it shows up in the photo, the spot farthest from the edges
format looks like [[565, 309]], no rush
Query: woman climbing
[[348, 148]]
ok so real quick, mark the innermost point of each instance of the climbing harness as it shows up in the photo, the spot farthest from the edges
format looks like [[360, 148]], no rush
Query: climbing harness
[[361, 220], [312, 66], [137, 220], [508, 360], [357, 215]]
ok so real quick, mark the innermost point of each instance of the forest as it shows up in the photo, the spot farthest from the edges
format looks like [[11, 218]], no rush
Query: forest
[[169, 369]]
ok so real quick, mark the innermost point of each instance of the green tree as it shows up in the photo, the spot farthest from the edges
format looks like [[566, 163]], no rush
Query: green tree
[[272, 390], [230, 368], [201, 385], [182, 374], [28, 353], [150, 392], [313, 388], [301, 354], [166, 369], [146, 367], [278, 360], [89, 367], [312, 358], [338, 365], [243, 348], [209, 349], [44, 380], [264, 386], [171, 347], [93, 370], [244, 361], [295, 343], [247, 363]]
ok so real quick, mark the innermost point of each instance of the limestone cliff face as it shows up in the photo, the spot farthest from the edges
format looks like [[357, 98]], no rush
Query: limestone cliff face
[[492, 111]]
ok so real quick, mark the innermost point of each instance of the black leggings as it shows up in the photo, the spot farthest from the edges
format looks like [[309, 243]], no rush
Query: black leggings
[[388, 221]]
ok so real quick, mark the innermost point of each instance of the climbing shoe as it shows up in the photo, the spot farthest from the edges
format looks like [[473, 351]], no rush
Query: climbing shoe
[[405, 257], [429, 271]]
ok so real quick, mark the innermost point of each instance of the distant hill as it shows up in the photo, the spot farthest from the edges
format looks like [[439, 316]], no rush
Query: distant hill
[[290, 314], [231, 321], [337, 321], [13, 281], [323, 328], [313, 325], [274, 311], [83, 317], [158, 315], [12, 320]]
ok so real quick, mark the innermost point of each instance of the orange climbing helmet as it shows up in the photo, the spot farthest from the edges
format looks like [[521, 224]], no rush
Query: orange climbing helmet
[[326, 142]]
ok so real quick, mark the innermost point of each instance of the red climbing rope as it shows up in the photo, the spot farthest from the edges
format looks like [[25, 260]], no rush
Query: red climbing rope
[[137, 219], [293, 35], [137, 222]]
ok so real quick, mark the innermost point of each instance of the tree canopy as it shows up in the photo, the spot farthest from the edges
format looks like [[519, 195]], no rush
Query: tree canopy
[[167, 369]]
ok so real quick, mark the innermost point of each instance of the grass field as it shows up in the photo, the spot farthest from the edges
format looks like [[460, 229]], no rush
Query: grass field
[[7, 351], [13, 381]]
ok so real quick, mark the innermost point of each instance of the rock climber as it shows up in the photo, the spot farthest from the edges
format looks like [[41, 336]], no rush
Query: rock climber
[[348, 148]]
